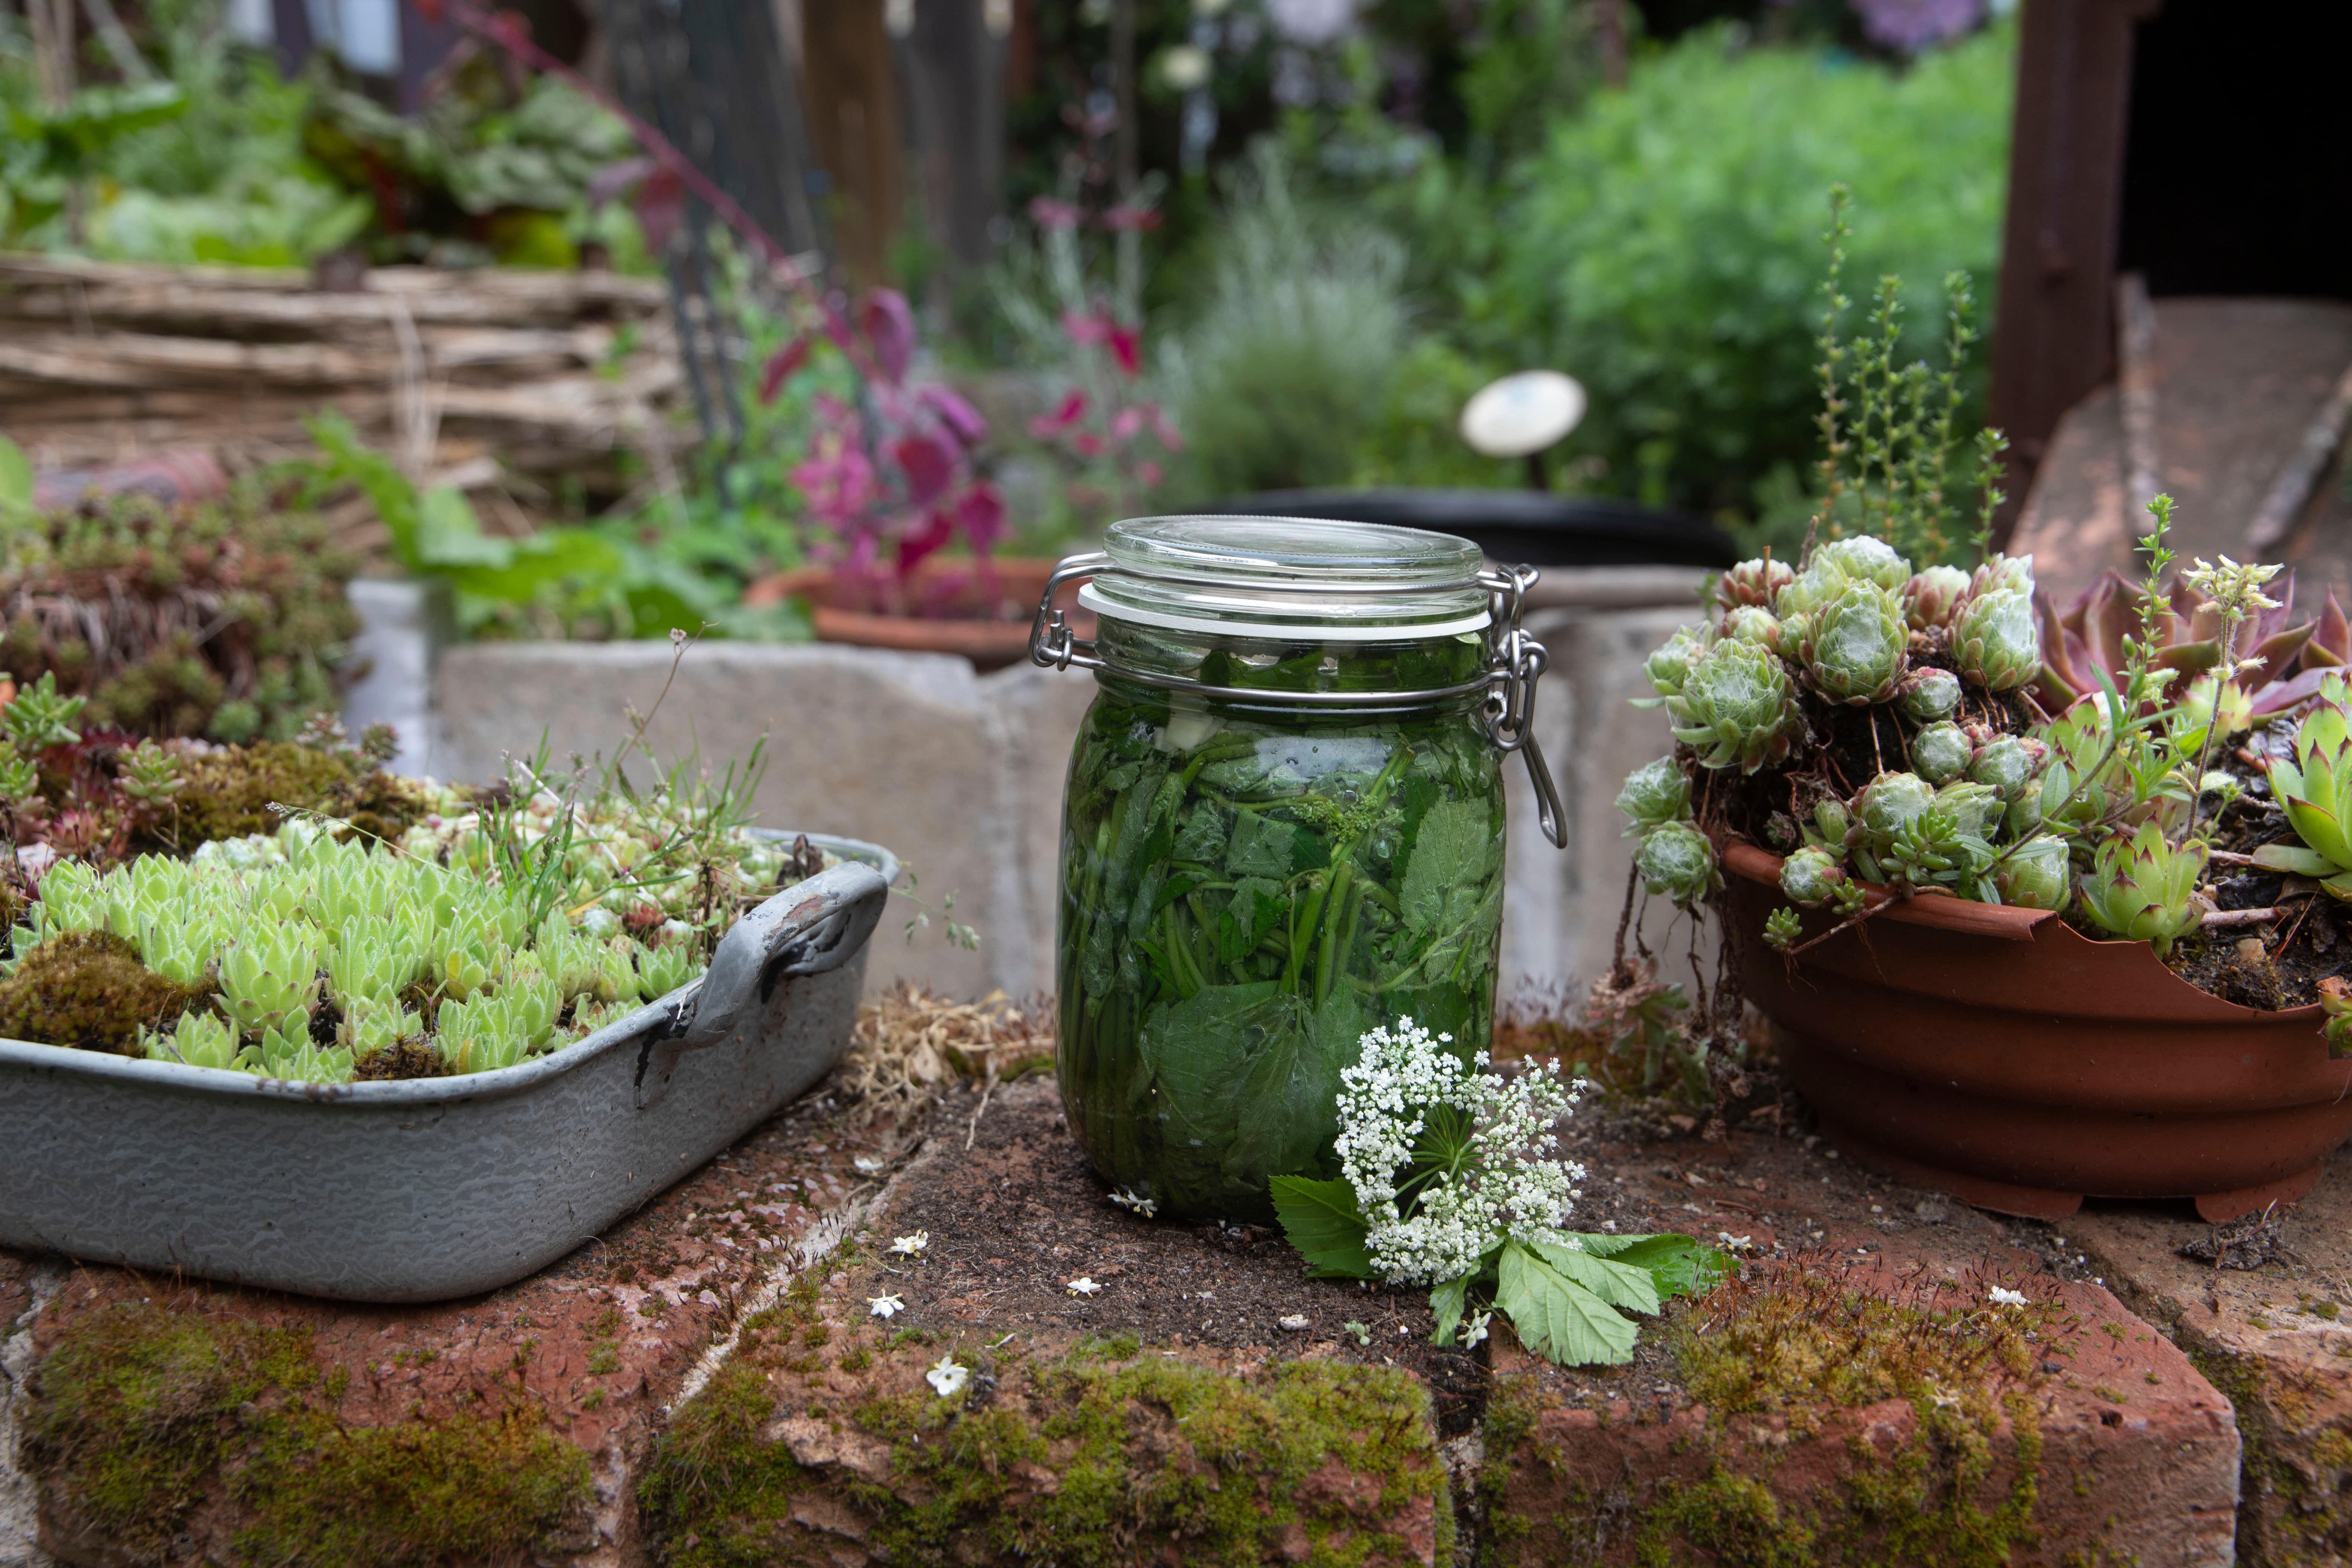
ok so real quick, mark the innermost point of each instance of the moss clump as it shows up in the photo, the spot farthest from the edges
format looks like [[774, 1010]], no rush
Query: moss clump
[[88, 989], [1085, 1461], [411, 1058], [141, 1412], [223, 620], [227, 793]]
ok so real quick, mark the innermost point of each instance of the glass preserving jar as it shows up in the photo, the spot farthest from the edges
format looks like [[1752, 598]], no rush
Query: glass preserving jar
[[1283, 825]]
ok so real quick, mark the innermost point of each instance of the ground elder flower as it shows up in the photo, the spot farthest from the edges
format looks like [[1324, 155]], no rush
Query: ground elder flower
[[1477, 1329], [885, 1306], [912, 1245], [1447, 1158], [2006, 1298], [1136, 1203], [1084, 1285], [948, 1376]]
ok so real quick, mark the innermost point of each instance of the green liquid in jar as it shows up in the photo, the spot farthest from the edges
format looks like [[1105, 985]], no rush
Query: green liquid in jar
[[1246, 890]]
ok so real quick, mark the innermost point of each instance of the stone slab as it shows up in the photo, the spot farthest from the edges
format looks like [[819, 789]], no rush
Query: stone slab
[[2276, 1337], [536, 1405], [2237, 383]]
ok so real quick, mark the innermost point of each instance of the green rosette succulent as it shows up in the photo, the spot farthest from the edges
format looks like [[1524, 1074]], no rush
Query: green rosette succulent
[[2037, 874], [2005, 574], [1738, 708], [1834, 821], [1856, 646], [1940, 752], [1671, 664], [1783, 928], [1810, 877], [1863, 558], [1752, 623], [2142, 888], [1757, 583], [1934, 596], [2314, 786], [1887, 805], [1655, 794], [1931, 851], [1977, 809], [2005, 762], [1928, 694], [1678, 861], [1995, 642]]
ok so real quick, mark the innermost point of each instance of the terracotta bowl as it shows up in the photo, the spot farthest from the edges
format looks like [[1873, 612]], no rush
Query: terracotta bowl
[[960, 614], [2002, 1057]]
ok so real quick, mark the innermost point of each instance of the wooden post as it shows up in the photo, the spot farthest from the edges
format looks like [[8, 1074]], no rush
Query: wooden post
[[2055, 339], [853, 104]]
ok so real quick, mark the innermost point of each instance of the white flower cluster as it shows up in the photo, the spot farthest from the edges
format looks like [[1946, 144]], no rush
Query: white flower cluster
[[1490, 1141]]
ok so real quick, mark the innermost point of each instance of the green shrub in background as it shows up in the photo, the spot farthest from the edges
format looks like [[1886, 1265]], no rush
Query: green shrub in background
[[1665, 246], [1286, 365]]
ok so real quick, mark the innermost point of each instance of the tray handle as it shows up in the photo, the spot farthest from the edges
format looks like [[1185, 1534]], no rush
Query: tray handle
[[806, 929]]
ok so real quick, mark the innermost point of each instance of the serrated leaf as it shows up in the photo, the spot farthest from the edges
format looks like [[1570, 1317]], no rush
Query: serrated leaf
[[1621, 1284], [1448, 1302], [1676, 1264], [1556, 1318], [1323, 1222]]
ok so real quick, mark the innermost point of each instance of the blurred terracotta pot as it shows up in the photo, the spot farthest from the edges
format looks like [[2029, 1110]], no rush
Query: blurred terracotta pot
[[2002, 1057], [945, 606]]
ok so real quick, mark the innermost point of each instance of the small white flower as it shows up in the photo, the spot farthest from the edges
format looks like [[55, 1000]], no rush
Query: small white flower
[[948, 1376], [885, 1307], [1084, 1285], [1477, 1330], [1736, 1243], [1296, 1322], [912, 1245], [2001, 1298], [869, 1164], [1136, 1203]]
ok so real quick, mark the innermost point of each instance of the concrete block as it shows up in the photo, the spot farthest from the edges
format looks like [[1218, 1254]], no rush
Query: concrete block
[[403, 627]]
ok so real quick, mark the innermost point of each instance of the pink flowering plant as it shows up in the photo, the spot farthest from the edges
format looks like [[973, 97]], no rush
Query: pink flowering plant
[[889, 476]]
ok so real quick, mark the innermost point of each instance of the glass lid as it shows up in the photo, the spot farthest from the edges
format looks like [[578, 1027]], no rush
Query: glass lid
[[1287, 575]]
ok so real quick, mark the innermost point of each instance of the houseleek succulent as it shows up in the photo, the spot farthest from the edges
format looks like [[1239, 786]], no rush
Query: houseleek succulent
[[2004, 574], [1976, 808], [1934, 596], [1757, 583], [1928, 694], [1736, 707], [1678, 861], [1940, 752], [2314, 786], [1856, 646], [1885, 806], [1810, 877], [1863, 558], [1655, 794], [2037, 874], [1752, 623], [1671, 664], [2006, 763], [1995, 641], [2141, 887]]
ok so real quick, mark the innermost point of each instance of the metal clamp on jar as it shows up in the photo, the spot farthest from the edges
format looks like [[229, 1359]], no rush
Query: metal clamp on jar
[[1283, 825]]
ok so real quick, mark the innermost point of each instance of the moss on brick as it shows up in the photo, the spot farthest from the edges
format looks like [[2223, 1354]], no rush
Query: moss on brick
[[1084, 1460], [141, 1412]]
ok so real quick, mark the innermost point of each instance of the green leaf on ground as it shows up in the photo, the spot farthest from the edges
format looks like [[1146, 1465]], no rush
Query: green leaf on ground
[[1619, 1283], [1556, 1318], [1323, 1222], [1448, 1302]]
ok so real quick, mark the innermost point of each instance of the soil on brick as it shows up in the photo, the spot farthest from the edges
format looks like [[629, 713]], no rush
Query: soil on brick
[[1015, 1220]]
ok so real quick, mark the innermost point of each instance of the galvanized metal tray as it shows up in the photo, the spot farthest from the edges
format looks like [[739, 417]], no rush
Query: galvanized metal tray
[[427, 1189]]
